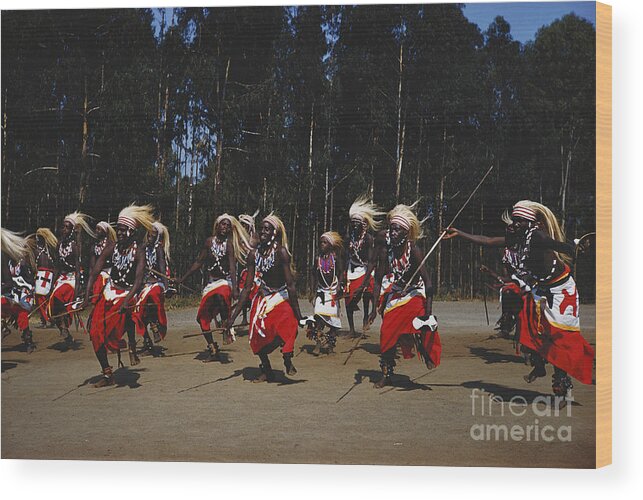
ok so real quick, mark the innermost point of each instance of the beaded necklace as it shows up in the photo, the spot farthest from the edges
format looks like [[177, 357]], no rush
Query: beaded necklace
[[399, 265], [218, 250], [265, 258], [522, 256], [100, 246], [64, 251], [123, 263], [356, 246], [326, 265]]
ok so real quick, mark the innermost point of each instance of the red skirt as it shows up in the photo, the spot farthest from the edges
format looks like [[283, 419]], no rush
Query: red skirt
[[99, 284], [353, 286], [563, 348], [41, 304], [207, 308], [149, 307], [13, 311], [107, 325], [63, 294], [397, 324], [271, 317], [242, 284]]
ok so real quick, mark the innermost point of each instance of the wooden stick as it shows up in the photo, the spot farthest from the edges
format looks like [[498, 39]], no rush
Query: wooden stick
[[214, 330], [443, 234]]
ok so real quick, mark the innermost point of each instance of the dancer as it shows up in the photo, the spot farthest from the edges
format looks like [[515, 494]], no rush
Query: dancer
[[150, 307], [327, 274], [220, 252], [407, 306], [105, 234], [274, 314], [112, 315], [45, 244], [539, 257], [360, 256], [66, 288], [248, 222], [17, 292]]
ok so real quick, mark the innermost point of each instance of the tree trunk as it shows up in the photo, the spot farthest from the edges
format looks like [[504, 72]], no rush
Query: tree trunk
[[84, 155], [441, 207], [400, 128], [310, 191]]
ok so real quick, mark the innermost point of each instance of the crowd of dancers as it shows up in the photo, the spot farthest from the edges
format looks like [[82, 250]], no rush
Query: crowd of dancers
[[249, 268]]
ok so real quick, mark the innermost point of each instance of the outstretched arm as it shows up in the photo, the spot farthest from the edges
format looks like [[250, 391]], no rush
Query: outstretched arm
[[478, 239], [198, 262]]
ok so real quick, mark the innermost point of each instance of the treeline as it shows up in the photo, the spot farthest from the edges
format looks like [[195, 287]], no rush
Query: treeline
[[297, 110]]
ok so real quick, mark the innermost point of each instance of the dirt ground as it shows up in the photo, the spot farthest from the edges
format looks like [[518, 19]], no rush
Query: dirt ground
[[176, 408]]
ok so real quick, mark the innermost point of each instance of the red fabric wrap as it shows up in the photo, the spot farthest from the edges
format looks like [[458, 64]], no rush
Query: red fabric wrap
[[207, 308], [565, 349], [99, 284], [356, 283], [151, 307], [41, 304], [12, 310], [242, 284], [280, 322], [62, 295], [399, 321], [107, 324]]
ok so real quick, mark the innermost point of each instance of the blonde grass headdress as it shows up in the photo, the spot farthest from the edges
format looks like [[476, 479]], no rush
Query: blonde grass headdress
[[136, 216], [543, 215], [16, 247], [334, 239], [163, 234], [109, 230], [366, 212], [280, 230], [48, 237], [240, 243], [80, 219], [403, 215], [249, 220]]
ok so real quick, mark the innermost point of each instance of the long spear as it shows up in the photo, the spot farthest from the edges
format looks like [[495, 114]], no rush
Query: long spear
[[444, 232]]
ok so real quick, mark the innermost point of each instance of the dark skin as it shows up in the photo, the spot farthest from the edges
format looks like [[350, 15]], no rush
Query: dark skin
[[275, 278], [100, 234], [399, 234], [7, 279], [43, 259], [224, 228], [67, 232], [366, 254], [325, 249], [123, 240], [161, 266], [543, 247]]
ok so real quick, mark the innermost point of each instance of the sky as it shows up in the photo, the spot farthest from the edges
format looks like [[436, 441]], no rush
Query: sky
[[526, 19]]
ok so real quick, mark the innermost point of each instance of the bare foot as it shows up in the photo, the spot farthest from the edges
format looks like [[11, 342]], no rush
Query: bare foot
[[384, 381], [133, 359]]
